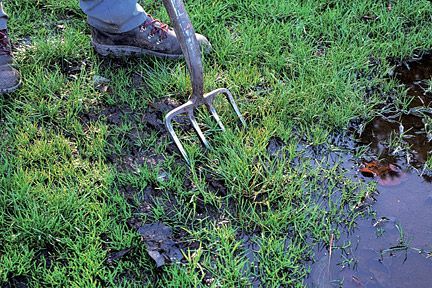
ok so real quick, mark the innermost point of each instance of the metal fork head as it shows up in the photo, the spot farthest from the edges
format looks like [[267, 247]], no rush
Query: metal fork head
[[189, 109], [192, 53]]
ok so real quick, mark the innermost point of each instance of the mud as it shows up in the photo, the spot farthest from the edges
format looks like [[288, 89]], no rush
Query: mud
[[143, 123], [251, 248], [17, 282], [72, 68], [151, 115], [116, 255], [216, 185], [44, 257], [160, 243], [390, 249], [143, 201], [163, 244], [275, 147]]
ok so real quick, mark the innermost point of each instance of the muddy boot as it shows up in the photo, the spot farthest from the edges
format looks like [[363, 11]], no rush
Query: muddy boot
[[9, 76], [151, 38]]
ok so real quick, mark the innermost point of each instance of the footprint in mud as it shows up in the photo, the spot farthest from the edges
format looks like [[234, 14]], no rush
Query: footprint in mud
[[387, 174]]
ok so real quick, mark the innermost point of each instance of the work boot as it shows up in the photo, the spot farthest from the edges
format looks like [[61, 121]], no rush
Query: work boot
[[151, 38], [9, 76]]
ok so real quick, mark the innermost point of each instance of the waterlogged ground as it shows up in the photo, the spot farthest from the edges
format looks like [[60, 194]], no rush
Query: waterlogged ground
[[93, 193], [393, 246]]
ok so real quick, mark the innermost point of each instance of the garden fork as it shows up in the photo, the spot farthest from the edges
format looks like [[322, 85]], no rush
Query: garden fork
[[192, 53]]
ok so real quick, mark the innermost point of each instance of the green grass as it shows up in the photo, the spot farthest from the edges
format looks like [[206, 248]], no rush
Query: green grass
[[299, 70]]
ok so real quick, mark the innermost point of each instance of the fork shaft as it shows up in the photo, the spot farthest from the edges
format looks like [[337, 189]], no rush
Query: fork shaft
[[191, 50]]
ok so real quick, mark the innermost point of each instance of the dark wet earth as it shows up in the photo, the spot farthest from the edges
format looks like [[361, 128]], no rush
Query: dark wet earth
[[392, 247]]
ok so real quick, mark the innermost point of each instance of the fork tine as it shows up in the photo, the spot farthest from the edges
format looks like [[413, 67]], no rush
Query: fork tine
[[234, 105], [168, 123], [209, 98], [216, 116], [198, 129]]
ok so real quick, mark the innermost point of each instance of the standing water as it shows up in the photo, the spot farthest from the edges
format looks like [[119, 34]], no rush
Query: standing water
[[394, 247]]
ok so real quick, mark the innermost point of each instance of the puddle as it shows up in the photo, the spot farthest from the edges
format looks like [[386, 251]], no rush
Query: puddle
[[390, 250], [406, 133], [394, 247]]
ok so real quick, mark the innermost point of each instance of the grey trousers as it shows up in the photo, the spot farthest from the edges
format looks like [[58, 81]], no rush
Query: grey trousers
[[3, 17], [114, 16]]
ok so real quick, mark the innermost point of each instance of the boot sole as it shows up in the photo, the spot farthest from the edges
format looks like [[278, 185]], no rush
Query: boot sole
[[10, 89], [123, 50]]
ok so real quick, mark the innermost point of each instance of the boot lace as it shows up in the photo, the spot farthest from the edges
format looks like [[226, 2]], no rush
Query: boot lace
[[5, 48], [160, 28]]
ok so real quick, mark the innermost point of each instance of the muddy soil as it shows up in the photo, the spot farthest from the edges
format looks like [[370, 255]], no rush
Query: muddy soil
[[161, 246], [388, 250], [143, 123], [17, 282]]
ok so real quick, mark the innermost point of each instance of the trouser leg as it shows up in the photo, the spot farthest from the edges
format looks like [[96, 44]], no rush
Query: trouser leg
[[3, 17], [113, 16]]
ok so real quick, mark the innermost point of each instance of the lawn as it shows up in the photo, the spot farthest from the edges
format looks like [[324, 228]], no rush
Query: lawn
[[85, 160]]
